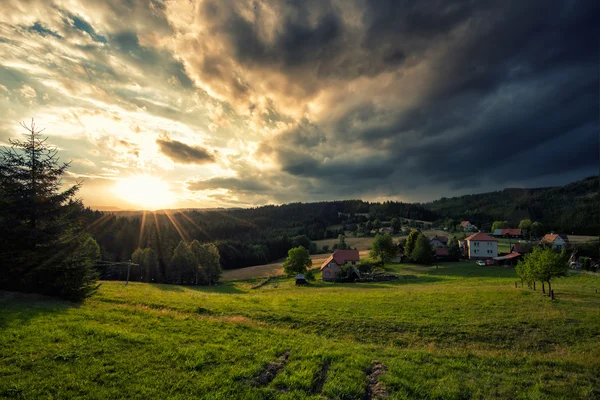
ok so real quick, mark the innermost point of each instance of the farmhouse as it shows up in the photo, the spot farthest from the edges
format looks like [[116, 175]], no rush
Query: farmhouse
[[438, 241], [332, 266], [521, 248], [467, 226], [442, 253], [557, 241], [480, 246], [508, 233]]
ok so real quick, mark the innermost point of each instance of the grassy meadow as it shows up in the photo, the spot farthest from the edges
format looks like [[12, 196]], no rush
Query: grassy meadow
[[454, 332]]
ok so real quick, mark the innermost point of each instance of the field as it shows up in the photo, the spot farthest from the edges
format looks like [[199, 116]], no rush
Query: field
[[454, 332]]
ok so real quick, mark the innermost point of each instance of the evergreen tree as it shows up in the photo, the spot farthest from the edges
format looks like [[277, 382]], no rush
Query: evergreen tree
[[150, 260], [410, 242], [44, 248], [422, 252]]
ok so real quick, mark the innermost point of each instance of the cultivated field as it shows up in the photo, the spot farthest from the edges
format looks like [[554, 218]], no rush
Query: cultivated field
[[456, 332]]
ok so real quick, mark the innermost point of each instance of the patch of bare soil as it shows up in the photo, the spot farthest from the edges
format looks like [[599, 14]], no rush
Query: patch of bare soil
[[271, 370], [375, 389], [320, 378]]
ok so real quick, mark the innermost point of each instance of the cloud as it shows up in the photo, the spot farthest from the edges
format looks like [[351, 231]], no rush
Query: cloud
[[311, 100], [183, 153]]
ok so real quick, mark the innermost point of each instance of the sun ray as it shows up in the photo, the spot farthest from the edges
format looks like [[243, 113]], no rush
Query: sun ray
[[142, 228], [177, 226], [191, 221]]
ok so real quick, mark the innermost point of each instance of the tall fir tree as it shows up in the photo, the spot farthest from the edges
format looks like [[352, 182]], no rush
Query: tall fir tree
[[44, 246]]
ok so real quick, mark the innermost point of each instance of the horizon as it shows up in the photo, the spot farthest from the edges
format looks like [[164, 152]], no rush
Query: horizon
[[117, 209], [206, 104]]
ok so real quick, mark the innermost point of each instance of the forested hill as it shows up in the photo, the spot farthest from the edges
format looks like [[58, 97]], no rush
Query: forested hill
[[571, 208], [243, 236]]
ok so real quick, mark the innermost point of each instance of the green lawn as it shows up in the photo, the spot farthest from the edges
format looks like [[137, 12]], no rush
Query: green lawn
[[456, 332]]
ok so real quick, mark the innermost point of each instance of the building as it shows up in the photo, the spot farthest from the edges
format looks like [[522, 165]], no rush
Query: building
[[438, 241], [509, 259], [300, 279], [508, 233], [467, 226], [521, 248], [387, 229], [442, 253], [480, 246], [558, 242], [332, 266]]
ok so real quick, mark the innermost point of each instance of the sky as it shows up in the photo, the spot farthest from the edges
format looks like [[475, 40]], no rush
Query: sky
[[223, 103]]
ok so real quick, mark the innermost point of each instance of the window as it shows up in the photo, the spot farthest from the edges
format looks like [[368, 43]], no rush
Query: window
[[353, 262]]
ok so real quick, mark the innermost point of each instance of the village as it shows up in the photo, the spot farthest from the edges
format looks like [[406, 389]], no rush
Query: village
[[501, 247]]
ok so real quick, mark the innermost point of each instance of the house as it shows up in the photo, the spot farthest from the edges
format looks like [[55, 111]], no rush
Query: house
[[398, 258], [300, 279], [438, 241], [467, 226], [332, 266], [480, 246], [508, 233], [521, 248], [442, 252], [387, 229], [558, 242]]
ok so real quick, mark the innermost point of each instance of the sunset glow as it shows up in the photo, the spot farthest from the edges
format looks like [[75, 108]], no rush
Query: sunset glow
[[145, 192]]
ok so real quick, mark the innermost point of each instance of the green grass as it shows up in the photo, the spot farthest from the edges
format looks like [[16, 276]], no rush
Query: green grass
[[455, 332]]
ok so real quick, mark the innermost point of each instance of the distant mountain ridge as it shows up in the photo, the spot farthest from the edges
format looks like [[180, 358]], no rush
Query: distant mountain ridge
[[574, 207]]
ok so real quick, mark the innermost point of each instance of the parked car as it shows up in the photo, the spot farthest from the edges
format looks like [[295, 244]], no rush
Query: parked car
[[489, 262], [481, 263]]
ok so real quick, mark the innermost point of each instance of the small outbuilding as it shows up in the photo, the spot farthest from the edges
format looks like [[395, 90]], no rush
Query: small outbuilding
[[300, 279]]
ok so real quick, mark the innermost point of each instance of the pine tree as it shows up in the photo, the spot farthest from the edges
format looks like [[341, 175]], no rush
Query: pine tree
[[44, 248]]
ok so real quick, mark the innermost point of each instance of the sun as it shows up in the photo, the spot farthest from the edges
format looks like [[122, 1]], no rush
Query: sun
[[146, 192]]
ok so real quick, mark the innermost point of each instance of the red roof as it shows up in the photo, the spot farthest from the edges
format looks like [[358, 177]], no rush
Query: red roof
[[442, 251], [507, 257], [464, 224], [342, 256], [442, 239], [511, 232], [550, 237], [481, 237]]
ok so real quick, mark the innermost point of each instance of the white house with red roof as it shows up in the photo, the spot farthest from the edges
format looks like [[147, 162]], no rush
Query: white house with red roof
[[467, 226], [332, 266], [480, 246], [558, 242]]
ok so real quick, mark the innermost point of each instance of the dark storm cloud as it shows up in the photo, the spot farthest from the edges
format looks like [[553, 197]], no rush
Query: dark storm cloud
[[515, 100], [237, 184], [183, 153]]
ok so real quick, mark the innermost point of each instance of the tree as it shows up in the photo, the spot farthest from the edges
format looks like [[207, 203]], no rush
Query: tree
[[449, 224], [297, 262], [453, 248], [151, 265], [341, 245], [208, 262], [542, 264], [500, 225], [396, 225], [377, 224], [410, 242], [183, 265], [383, 248], [525, 224], [44, 247], [422, 252], [537, 229]]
